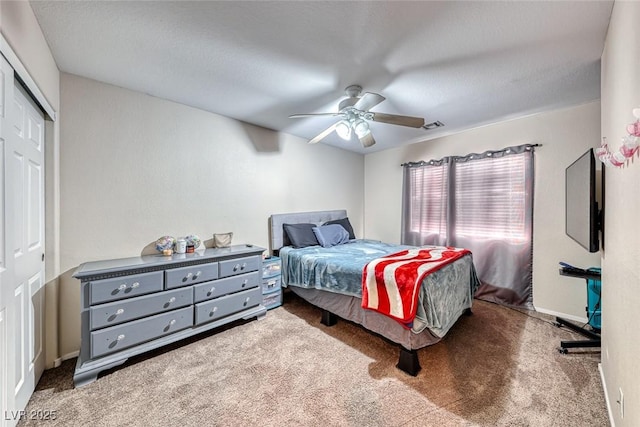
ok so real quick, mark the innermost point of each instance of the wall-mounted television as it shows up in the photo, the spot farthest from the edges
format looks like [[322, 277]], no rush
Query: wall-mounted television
[[583, 218]]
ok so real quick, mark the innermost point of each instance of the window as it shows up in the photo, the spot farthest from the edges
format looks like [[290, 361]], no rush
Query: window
[[490, 196], [482, 202], [429, 200]]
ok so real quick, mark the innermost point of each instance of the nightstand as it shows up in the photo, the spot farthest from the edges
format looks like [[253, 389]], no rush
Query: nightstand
[[271, 287]]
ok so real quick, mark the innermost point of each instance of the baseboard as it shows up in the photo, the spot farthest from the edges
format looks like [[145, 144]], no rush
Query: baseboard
[[606, 396], [69, 356], [563, 315]]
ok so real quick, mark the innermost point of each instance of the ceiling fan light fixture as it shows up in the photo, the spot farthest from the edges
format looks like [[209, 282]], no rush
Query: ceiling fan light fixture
[[343, 129], [355, 117], [361, 128]]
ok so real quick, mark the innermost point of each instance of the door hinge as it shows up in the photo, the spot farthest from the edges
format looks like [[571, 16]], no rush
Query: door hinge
[[42, 256]]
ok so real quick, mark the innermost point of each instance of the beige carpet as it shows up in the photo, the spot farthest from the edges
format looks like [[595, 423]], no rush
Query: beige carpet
[[498, 367]]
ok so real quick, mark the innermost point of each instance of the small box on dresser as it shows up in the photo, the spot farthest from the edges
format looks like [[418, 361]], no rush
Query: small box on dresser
[[271, 285]]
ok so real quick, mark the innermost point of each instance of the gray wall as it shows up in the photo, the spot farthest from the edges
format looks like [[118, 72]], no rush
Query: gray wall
[[135, 167], [620, 261]]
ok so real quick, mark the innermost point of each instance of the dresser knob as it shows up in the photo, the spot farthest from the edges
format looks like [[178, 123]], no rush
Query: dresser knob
[[245, 283], [173, 299], [120, 311], [122, 287], [135, 284], [197, 274], [214, 309], [173, 322], [120, 337], [236, 267], [189, 275], [213, 288], [244, 265]]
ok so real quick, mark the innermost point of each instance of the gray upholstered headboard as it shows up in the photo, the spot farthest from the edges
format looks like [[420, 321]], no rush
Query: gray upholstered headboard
[[276, 220]]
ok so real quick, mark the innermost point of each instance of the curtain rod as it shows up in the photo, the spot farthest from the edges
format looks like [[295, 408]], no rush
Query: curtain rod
[[422, 162]]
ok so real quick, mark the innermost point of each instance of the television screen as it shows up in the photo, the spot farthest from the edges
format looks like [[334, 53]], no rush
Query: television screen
[[580, 200]]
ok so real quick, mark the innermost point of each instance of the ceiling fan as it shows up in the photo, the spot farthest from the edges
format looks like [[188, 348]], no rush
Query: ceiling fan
[[354, 113]]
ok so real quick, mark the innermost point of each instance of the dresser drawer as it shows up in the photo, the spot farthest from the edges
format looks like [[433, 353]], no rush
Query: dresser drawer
[[229, 304], [189, 275], [228, 285], [119, 337], [271, 285], [117, 312], [271, 267], [272, 300], [232, 267], [125, 287]]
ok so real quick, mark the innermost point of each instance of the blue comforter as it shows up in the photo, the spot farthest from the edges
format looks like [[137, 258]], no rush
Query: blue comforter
[[336, 269], [444, 294]]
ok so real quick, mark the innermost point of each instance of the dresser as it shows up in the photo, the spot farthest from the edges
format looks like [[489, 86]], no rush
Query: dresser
[[133, 305]]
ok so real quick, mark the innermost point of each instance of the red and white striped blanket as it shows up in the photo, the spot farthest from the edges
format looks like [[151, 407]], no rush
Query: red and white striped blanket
[[391, 284]]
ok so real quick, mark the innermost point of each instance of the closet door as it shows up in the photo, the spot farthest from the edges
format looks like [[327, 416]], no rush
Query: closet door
[[22, 257], [7, 358]]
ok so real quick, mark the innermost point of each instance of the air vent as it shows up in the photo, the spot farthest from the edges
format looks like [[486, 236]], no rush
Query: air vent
[[433, 125]]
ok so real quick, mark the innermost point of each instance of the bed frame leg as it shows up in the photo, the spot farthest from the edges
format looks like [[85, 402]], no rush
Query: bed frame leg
[[408, 361], [328, 318]]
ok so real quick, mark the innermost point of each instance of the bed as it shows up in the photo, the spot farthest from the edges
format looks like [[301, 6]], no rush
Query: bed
[[331, 279]]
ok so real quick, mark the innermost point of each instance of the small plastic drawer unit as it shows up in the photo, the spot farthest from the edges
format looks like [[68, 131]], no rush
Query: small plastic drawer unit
[[593, 300], [271, 267], [271, 288]]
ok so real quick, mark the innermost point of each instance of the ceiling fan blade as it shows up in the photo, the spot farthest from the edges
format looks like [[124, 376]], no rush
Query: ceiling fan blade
[[300, 116], [367, 140], [413, 122], [368, 100], [323, 134]]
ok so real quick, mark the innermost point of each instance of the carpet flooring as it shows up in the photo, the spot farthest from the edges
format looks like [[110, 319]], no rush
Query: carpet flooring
[[497, 367]]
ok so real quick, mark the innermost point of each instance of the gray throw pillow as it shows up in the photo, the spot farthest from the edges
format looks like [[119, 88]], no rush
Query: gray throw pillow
[[345, 223], [331, 235], [300, 235]]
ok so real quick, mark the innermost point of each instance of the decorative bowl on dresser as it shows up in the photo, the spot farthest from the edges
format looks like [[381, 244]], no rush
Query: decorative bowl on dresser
[[133, 305]]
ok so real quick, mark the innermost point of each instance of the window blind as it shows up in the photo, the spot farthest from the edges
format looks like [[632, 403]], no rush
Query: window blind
[[490, 198], [428, 206]]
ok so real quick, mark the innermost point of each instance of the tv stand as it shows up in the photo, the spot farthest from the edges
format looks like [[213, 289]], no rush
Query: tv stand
[[593, 341], [593, 336]]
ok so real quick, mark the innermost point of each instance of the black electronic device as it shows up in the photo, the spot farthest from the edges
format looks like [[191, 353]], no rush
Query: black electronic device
[[583, 219]]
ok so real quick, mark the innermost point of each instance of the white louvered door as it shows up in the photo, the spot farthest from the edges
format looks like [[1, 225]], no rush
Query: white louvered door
[[22, 250]]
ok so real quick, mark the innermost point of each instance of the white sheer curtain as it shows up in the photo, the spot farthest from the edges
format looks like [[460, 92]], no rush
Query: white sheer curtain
[[482, 202]]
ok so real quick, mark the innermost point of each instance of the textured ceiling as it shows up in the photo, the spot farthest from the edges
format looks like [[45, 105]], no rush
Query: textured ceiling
[[463, 63]]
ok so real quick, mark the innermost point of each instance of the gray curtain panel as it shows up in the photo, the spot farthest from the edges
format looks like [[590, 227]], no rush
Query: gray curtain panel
[[482, 202]]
